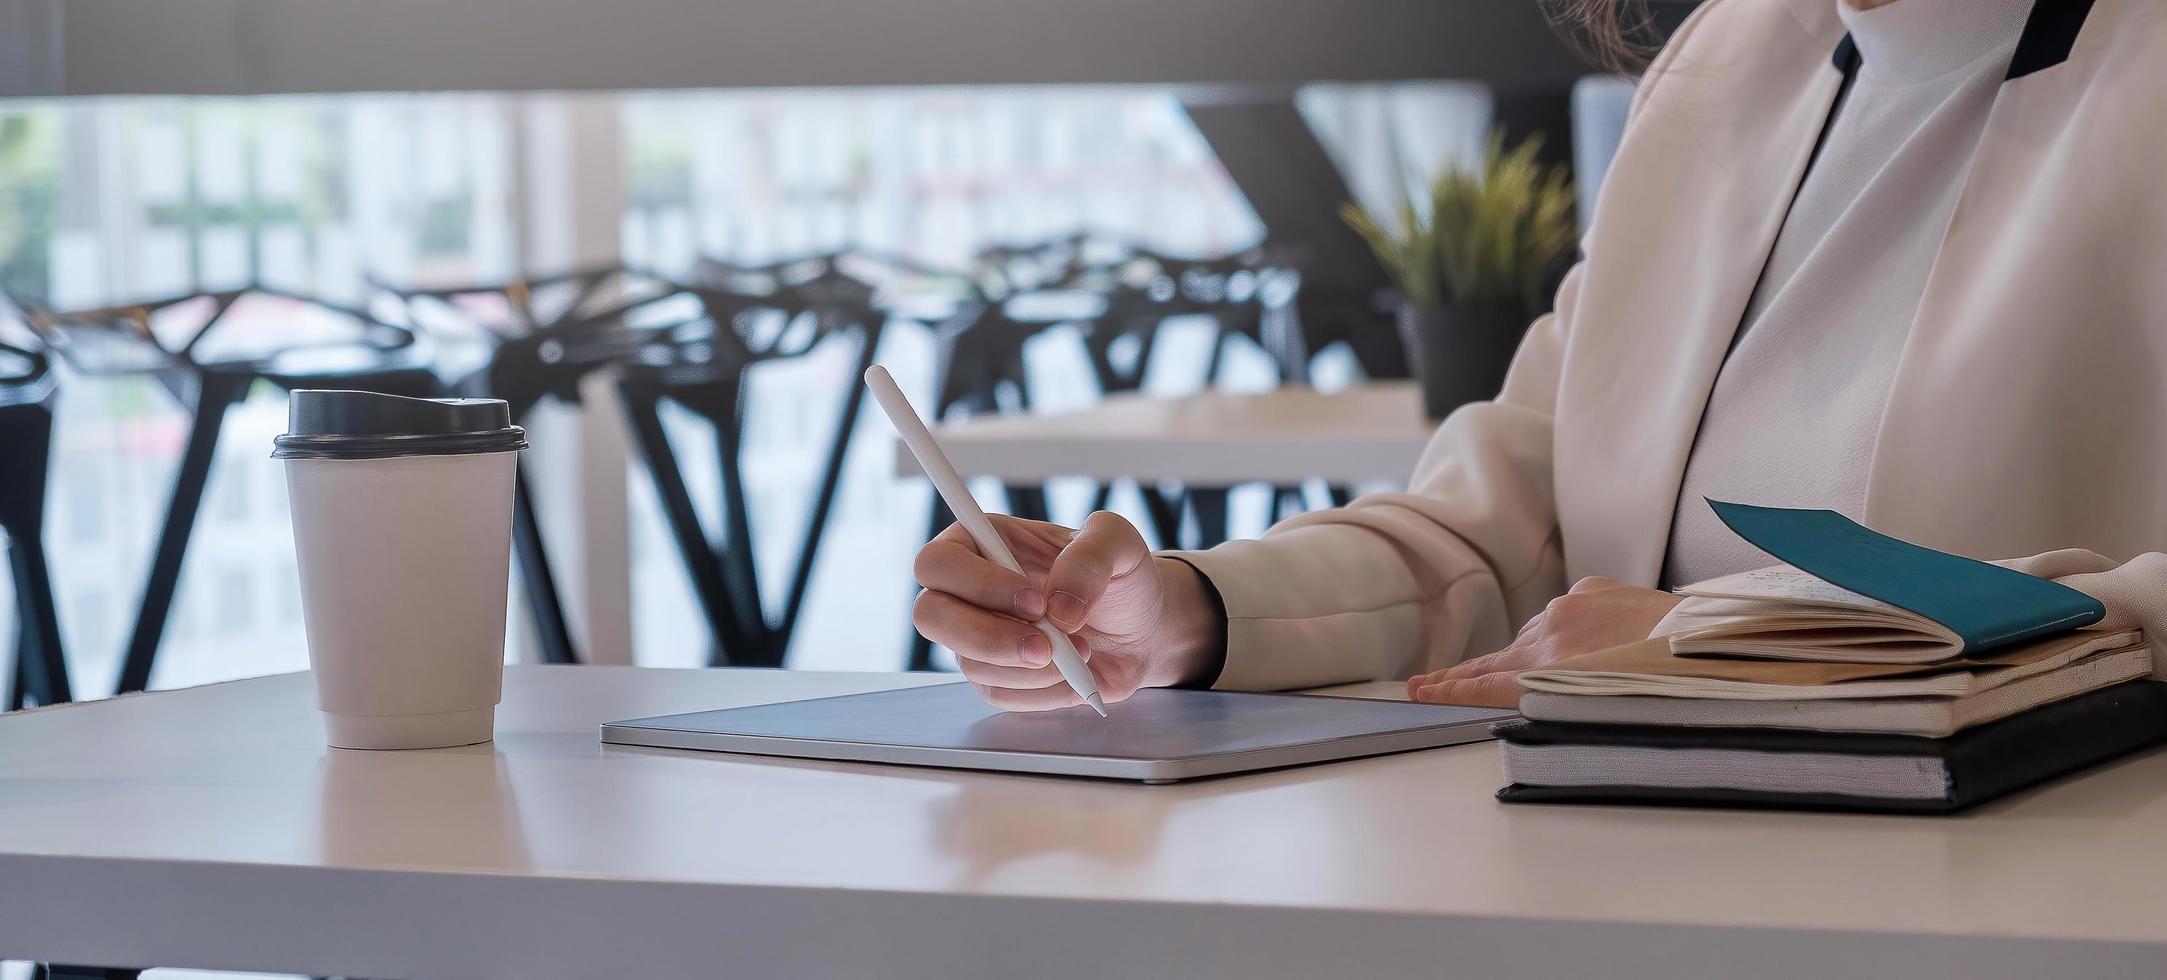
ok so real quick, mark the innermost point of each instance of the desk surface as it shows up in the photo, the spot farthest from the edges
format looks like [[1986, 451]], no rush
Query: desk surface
[[210, 828], [1371, 432]]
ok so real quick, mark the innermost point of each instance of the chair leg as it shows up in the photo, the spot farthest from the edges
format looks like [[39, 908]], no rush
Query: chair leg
[[543, 601], [739, 559], [831, 480], [40, 666], [1209, 504], [1282, 497], [702, 566], [1028, 502], [1164, 507], [17, 692], [218, 393]]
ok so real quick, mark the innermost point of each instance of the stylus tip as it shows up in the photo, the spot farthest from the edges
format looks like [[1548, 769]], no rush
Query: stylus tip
[[1096, 704]]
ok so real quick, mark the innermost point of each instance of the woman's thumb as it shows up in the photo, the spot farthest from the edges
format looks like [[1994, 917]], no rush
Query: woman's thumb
[[1105, 548]]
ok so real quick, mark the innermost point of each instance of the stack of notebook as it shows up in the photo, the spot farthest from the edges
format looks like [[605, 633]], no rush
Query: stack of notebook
[[1865, 674]]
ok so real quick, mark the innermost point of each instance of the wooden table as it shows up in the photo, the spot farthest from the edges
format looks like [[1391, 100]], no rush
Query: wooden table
[[210, 828], [1368, 433]]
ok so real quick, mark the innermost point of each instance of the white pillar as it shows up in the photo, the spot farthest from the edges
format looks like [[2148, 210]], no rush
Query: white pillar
[[568, 193]]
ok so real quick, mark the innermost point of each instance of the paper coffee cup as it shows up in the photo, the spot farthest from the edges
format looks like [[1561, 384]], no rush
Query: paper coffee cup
[[402, 521]]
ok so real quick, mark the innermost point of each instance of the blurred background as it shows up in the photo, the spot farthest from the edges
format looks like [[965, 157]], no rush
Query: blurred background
[[657, 221]]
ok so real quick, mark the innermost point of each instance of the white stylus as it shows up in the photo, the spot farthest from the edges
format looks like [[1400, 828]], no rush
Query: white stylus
[[936, 465]]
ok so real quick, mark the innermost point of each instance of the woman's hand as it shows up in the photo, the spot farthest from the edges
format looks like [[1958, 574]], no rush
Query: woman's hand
[[1599, 613], [1138, 620]]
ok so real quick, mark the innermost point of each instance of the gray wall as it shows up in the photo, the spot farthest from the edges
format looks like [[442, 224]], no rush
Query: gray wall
[[30, 47], [258, 46]]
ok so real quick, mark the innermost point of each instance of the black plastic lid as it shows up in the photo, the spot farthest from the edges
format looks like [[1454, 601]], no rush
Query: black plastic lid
[[367, 425]]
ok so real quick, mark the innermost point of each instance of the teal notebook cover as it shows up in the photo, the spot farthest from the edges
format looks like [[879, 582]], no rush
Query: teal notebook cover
[[1987, 605]]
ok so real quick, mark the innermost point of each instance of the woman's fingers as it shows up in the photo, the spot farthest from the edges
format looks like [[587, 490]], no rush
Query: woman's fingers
[[1506, 664], [1500, 690], [1032, 699], [1034, 688], [1518, 657], [986, 675], [976, 634], [951, 564], [1105, 548], [1599, 613]]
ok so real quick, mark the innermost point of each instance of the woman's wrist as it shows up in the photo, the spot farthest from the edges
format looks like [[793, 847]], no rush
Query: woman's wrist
[[1192, 627]]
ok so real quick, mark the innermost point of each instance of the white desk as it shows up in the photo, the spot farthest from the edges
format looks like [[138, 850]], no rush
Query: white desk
[[1372, 432], [209, 828]]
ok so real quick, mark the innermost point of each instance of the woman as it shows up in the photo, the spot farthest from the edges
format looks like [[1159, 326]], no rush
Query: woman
[[1904, 260]]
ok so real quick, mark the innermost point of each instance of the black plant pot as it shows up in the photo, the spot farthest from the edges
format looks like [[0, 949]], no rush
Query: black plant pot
[[1381, 353], [1460, 352]]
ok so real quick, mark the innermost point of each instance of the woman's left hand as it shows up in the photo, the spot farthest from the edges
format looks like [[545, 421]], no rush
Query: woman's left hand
[[1599, 613]]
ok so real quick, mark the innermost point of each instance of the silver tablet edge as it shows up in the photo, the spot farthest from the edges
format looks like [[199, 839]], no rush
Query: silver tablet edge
[[1145, 770]]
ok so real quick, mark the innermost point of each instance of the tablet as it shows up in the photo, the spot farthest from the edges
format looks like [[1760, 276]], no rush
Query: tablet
[[1156, 736]]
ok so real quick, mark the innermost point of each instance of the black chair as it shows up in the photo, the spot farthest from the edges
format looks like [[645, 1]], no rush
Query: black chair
[[27, 394], [747, 317], [123, 340], [1025, 291], [538, 338]]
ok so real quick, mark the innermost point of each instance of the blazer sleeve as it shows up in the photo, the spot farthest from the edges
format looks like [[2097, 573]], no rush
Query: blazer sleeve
[[2134, 592], [1397, 583]]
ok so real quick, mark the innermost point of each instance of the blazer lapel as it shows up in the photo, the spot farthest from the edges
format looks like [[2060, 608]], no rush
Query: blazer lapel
[[1935, 376], [1754, 151]]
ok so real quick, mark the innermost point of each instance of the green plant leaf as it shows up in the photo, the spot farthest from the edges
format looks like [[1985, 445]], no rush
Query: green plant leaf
[[1491, 234]]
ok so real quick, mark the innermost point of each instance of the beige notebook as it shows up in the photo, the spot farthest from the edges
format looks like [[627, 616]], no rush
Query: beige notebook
[[1786, 614], [1931, 716], [1650, 668]]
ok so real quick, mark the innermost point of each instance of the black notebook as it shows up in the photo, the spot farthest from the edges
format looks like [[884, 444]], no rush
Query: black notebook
[[1548, 762]]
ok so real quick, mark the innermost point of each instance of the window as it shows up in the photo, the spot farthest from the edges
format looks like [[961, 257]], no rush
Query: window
[[321, 194], [82, 508]]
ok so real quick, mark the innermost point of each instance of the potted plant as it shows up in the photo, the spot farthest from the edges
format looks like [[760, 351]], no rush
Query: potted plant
[[1473, 265]]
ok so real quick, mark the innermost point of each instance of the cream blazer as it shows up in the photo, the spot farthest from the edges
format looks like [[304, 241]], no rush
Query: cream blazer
[[2028, 413]]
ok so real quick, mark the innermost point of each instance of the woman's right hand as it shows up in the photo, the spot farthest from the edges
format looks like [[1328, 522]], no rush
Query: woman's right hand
[[1138, 620]]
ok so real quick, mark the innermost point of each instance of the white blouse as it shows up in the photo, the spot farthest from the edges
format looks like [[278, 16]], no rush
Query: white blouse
[[1794, 415]]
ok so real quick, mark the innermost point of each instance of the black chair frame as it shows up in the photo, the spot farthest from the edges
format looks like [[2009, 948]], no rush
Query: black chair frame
[[27, 399], [702, 366], [542, 353], [208, 390]]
